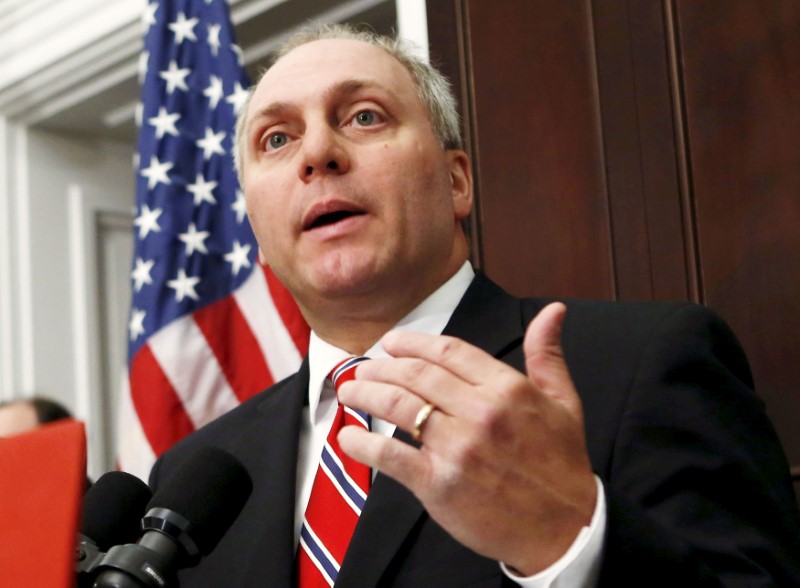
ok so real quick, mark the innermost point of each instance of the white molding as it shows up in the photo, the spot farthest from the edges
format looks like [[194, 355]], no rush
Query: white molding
[[92, 392], [82, 93], [121, 115], [244, 10], [104, 59], [61, 49], [339, 13], [83, 321], [412, 23], [27, 379], [64, 28], [6, 280]]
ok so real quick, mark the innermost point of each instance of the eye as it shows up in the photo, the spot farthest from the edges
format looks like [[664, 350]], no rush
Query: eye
[[365, 118], [276, 141]]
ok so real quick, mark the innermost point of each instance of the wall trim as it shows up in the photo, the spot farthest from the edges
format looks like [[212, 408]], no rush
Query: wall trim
[[27, 379], [6, 280], [91, 392]]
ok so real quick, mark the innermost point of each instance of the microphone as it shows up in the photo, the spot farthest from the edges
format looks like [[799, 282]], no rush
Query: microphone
[[184, 521], [112, 510]]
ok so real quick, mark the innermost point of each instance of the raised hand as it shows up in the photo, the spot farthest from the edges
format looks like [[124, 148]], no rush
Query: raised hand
[[503, 465]]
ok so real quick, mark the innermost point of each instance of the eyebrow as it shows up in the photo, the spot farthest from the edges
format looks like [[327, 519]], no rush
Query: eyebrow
[[340, 89]]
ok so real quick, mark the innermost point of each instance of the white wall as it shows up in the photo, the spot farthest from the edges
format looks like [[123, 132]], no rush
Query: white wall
[[57, 233]]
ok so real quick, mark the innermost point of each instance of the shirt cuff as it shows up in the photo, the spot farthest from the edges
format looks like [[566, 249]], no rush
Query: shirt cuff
[[580, 565]]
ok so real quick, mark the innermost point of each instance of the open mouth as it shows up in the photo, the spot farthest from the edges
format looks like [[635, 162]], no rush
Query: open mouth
[[332, 217], [330, 213]]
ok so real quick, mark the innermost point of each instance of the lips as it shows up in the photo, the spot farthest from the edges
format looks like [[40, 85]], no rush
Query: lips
[[329, 213]]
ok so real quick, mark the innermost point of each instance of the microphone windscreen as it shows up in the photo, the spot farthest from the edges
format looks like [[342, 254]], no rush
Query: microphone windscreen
[[209, 489], [112, 509]]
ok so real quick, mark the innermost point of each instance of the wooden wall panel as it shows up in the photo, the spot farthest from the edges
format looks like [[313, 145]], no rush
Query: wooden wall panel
[[543, 209], [741, 69], [641, 149]]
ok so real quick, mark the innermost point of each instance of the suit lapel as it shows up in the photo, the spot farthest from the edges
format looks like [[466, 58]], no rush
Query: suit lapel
[[487, 317], [269, 448], [390, 513]]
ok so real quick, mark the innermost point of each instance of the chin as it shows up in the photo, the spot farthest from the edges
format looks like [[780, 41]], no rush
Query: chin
[[345, 275]]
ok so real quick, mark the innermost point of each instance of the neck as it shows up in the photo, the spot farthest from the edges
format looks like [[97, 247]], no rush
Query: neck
[[356, 324]]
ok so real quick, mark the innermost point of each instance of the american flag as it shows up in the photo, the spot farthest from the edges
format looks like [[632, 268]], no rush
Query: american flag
[[209, 327]]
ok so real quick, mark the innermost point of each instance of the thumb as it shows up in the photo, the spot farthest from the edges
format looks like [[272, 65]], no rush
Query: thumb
[[544, 357]]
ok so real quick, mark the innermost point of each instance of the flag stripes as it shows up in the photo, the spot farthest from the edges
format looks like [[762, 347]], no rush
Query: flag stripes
[[243, 366], [209, 326]]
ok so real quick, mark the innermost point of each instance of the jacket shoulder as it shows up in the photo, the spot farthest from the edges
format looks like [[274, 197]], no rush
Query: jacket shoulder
[[224, 430]]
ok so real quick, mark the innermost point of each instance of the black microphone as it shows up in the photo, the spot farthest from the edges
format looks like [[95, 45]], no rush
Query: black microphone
[[184, 521], [112, 511]]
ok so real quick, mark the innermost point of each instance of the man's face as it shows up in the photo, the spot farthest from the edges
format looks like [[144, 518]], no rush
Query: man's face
[[348, 190]]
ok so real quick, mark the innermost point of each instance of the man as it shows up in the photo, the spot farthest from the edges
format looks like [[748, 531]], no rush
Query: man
[[621, 445], [21, 416]]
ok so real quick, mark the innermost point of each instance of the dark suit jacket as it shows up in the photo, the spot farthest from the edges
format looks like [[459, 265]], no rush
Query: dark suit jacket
[[696, 482]]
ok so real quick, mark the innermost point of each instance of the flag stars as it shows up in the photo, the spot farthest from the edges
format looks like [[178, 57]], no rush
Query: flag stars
[[136, 324], [141, 273], [183, 28], [238, 257], [175, 78], [157, 172], [149, 16], [147, 221], [239, 54], [211, 144], [194, 239], [144, 58], [239, 206], [238, 98], [214, 92], [165, 123], [213, 38], [138, 115], [202, 190], [184, 286]]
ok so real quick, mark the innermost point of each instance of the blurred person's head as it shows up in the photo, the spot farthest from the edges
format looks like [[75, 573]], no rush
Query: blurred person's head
[[21, 416]]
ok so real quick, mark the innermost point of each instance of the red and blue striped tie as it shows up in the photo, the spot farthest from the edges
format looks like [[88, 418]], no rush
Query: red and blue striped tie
[[337, 496]]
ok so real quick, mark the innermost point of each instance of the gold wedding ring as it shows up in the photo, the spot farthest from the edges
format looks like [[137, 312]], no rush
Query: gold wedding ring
[[420, 420]]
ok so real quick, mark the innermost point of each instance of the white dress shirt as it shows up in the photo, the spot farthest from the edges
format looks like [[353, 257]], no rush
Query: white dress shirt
[[579, 566]]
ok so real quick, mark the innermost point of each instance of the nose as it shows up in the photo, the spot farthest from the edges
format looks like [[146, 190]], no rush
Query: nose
[[323, 153]]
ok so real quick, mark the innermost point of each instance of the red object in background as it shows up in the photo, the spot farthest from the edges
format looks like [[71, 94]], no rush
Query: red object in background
[[42, 478]]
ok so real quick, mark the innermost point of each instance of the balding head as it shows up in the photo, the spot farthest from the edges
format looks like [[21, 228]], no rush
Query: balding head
[[17, 417]]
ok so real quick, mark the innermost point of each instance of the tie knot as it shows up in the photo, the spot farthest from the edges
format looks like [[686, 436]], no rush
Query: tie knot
[[345, 371]]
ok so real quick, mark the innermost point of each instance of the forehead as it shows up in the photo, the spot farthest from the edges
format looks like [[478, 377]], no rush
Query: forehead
[[314, 67]]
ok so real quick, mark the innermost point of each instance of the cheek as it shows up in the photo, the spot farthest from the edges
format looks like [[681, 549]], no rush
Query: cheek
[[264, 215]]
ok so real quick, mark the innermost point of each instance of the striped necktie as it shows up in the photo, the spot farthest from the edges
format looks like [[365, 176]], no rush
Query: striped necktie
[[337, 497]]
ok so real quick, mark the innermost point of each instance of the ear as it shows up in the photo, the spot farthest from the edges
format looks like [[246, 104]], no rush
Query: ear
[[461, 183]]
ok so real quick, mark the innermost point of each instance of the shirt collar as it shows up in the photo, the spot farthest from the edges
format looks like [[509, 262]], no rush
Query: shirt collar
[[431, 316]]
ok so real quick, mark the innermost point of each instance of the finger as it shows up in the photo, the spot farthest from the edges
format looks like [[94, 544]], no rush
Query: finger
[[544, 356], [384, 401], [397, 459], [430, 382], [462, 359]]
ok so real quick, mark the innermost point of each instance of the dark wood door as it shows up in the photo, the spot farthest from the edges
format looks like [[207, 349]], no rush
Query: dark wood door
[[640, 149]]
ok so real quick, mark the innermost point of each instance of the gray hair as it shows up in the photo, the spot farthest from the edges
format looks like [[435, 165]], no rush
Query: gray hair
[[433, 88]]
